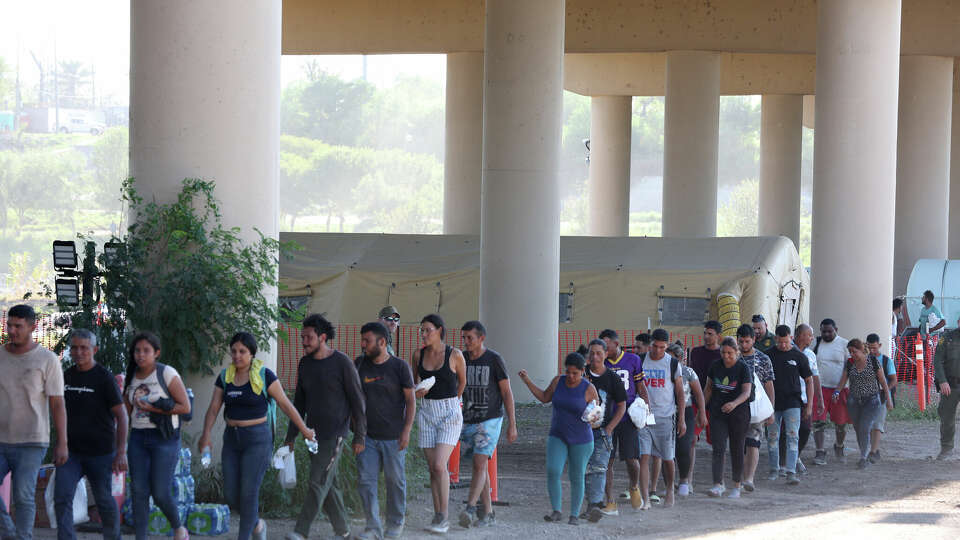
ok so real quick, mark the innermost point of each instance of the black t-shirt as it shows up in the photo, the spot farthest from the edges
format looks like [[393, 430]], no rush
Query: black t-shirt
[[610, 389], [88, 397], [329, 398], [240, 403], [383, 386], [481, 397], [788, 368], [727, 382]]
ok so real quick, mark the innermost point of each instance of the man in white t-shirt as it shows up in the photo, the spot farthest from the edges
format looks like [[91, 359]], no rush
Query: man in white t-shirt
[[832, 355], [662, 377], [803, 338], [31, 390]]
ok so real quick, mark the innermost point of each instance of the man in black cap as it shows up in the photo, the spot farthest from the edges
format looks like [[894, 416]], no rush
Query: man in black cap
[[390, 318]]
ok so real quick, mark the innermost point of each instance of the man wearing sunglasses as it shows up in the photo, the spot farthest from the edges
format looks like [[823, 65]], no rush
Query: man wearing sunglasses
[[390, 318]]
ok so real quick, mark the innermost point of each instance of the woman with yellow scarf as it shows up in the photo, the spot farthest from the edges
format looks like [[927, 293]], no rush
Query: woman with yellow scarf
[[245, 389]]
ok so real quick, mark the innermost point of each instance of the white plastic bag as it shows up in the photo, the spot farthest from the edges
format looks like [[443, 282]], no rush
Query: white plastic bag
[[285, 462], [79, 501], [760, 407], [640, 414], [426, 384], [593, 413]]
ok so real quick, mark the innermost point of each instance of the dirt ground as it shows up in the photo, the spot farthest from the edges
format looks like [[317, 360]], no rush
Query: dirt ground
[[907, 495]]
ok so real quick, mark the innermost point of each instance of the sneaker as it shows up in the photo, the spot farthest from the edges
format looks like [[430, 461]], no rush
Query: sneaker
[[945, 453], [610, 509], [874, 457], [747, 486], [862, 464], [734, 493], [683, 490], [801, 469], [625, 494], [555, 516], [715, 491], [783, 470], [262, 533], [369, 534], [792, 479], [293, 536], [573, 521], [468, 517], [774, 474], [487, 520], [654, 498], [439, 525], [820, 458], [636, 499], [393, 531], [594, 515]]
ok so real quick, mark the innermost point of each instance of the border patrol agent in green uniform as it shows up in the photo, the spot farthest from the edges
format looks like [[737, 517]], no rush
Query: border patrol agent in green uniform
[[946, 365]]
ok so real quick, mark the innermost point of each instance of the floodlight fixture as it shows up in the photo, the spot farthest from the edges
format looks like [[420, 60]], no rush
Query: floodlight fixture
[[111, 253], [68, 291], [64, 255]]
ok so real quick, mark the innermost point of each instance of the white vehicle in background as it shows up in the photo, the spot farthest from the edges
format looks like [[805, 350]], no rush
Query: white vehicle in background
[[45, 120]]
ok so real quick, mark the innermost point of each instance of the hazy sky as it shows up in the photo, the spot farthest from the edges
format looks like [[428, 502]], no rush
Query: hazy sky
[[97, 32]]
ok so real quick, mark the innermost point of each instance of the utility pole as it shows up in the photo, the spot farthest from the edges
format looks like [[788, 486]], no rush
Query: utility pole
[[56, 87]]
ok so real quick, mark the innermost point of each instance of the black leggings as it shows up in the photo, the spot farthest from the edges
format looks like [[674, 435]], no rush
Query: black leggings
[[804, 434], [733, 426], [685, 444]]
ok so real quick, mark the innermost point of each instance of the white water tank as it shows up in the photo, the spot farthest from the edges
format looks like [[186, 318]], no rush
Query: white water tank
[[942, 277]]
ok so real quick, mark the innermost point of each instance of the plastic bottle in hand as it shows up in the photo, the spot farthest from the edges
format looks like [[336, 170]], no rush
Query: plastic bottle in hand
[[313, 446], [206, 459]]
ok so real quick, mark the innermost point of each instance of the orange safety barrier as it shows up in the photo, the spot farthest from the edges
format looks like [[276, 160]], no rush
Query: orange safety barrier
[[921, 376], [453, 467]]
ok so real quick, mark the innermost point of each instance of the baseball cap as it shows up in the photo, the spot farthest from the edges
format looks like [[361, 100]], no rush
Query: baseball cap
[[388, 311]]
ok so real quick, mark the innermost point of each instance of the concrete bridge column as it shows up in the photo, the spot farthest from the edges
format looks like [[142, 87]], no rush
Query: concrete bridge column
[[923, 163], [205, 102], [690, 136], [610, 165], [953, 246], [463, 143], [781, 147], [854, 179], [520, 238]]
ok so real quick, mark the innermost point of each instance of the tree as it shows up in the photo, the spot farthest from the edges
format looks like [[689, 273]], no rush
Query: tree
[[7, 97], [73, 77], [38, 181], [406, 116], [328, 108], [183, 274], [739, 215], [109, 163]]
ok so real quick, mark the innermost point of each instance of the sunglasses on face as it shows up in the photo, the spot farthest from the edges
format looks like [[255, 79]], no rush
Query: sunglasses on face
[[392, 319]]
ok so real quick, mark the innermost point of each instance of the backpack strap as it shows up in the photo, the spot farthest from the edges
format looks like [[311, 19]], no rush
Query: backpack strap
[[161, 380], [674, 366], [271, 404]]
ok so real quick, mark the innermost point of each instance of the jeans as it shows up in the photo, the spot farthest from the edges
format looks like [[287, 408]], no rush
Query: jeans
[[791, 425], [596, 477], [733, 426], [24, 463], [323, 490], [99, 472], [152, 460], [558, 452], [385, 455], [863, 413], [246, 453]]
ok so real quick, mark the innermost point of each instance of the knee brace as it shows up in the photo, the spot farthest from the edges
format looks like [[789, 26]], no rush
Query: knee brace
[[752, 443]]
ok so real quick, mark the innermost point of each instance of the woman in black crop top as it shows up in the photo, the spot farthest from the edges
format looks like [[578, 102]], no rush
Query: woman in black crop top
[[245, 390], [439, 416]]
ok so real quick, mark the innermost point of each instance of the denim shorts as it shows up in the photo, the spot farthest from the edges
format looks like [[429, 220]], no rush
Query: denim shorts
[[480, 438]]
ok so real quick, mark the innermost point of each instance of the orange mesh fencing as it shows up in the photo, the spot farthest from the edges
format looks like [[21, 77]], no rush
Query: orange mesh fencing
[[407, 339]]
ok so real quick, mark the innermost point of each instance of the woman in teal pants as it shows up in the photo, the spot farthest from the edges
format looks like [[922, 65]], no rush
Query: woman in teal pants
[[570, 437]]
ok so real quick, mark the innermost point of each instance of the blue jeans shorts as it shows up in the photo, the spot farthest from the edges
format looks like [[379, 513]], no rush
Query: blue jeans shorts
[[480, 438]]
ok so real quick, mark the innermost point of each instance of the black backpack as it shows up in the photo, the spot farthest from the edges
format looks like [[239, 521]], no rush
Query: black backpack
[[163, 386]]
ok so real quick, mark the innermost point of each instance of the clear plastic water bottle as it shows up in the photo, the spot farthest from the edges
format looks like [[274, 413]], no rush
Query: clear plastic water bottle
[[313, 446], [206, 459]]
